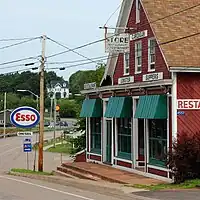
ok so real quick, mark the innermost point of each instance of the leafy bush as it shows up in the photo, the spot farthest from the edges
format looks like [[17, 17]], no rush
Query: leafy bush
[[78, 143], [184, 157]]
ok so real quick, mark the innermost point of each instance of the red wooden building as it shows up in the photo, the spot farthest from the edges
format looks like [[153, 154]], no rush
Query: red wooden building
[[152, 93]]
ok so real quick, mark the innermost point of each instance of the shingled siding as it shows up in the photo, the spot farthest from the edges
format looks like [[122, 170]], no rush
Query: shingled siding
[[188, 88], [160, 63]]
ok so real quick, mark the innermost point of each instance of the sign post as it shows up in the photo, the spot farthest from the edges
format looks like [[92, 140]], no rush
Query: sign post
[[27, 146], [25, 117]]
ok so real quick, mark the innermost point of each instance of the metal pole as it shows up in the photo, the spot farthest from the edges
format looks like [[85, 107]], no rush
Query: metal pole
[[4, 123], [27, 161], [51, 110], [36, 142], [54, 134], [41, 136]]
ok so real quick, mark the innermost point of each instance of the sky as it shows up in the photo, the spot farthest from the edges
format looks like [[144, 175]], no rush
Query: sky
[[71, 22]]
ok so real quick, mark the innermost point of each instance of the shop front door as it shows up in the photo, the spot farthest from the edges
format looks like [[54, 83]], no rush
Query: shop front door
[[141, 148], [108, 141]]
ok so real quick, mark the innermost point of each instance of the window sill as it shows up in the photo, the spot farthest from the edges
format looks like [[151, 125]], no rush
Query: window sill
[[126, 74], [138, 72], [151, 70]]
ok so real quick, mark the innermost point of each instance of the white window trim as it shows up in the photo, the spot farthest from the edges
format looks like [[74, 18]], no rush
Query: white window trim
[[136, 66], [125, 67], [138, 6], [149, 64]]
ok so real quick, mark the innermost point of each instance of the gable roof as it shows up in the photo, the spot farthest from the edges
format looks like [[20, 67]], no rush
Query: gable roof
[[178, 35], [184, 51], [63, 84]]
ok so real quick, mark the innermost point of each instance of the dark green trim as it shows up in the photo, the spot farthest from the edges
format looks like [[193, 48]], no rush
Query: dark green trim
[[119, 107], [158, 163], [92, 108], [152, 107], [96, 151], [124, 155]]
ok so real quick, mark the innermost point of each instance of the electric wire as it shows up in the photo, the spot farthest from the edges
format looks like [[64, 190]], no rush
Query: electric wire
[[70, 49], [18, 43]]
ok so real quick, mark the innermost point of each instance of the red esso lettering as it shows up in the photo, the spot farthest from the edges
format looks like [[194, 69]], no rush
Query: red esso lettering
[[23, 117]]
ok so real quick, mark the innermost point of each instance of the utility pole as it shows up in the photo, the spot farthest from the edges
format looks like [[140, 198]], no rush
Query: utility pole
[[54, 135], [41, 132], [4, 122]]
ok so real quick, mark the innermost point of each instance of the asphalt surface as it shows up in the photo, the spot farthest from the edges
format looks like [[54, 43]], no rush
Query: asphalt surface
[[172, 195], [12, 155]]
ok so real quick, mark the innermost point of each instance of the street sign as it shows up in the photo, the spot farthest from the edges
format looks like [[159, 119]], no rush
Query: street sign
[[117, 43], [57, 108], [24, 134], [27, 146], [25, 117]]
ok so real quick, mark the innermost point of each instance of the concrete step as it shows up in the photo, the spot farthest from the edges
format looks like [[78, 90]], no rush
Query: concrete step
[[59, 173], [88, 172], [76, 173]]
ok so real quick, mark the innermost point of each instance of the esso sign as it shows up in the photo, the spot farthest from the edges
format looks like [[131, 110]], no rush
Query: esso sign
[[25, 117]]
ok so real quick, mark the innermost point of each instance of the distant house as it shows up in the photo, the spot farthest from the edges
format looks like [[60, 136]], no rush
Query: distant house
[[58, 89], [8, 123]]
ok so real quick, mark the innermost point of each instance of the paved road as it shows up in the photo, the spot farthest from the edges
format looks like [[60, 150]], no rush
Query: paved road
[[12, 155], [18, 188]]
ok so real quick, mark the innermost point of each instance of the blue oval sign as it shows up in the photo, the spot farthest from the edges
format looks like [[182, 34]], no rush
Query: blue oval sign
[[25, 117]]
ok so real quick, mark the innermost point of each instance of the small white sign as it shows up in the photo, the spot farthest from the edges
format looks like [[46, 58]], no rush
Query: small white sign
[[88, 86], [152, 76], [117, 43], [125, 80], [139, 35], [24, 134], [188, 104]]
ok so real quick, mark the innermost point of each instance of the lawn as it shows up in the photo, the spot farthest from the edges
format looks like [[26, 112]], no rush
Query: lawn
[[186, 185], [26, 171], [61, 148]]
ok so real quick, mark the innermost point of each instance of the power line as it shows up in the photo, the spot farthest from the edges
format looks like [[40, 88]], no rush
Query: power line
[[113, 13], [170, 15], [75, 61], [15, 39], [20, 65], [19, 60], [18, 43], [70, 49]]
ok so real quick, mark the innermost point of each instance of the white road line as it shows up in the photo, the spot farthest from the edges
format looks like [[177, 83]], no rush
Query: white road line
[[47, 188]]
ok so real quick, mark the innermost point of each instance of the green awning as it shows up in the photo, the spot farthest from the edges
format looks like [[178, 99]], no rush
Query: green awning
[[92, 108], [152, 107], [119, 107]]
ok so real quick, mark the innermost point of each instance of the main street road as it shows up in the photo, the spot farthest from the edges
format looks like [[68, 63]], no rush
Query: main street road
[[18, 188], [12, 155]]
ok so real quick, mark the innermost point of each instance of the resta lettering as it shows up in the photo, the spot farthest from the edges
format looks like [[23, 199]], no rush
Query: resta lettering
[[22, 117]]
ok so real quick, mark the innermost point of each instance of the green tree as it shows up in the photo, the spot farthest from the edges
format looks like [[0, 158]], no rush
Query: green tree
[[78, 79]]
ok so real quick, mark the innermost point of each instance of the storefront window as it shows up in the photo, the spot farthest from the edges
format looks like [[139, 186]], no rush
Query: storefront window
[[96, 135], [124, 138], [157, 142]]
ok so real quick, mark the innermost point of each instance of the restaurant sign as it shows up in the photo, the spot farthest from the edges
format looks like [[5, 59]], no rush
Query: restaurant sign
[[89, 86], [125, 80], [153, 76], [188, 104]]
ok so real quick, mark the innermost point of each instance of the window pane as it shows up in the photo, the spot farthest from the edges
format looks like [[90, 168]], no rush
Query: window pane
[[96, 133], [158, 139]]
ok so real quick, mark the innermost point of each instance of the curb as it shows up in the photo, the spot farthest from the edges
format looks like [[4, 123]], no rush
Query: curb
[[114, 190]]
